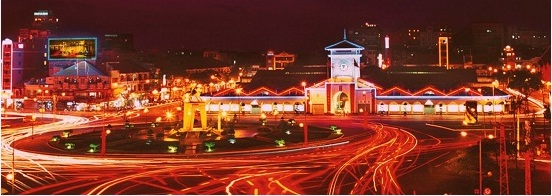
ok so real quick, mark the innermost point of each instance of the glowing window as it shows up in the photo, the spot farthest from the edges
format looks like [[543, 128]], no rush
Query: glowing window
[[417, 108], [452, 108]]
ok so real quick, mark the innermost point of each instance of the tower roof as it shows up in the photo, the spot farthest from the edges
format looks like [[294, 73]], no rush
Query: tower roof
[[82, 68], [344, 44]]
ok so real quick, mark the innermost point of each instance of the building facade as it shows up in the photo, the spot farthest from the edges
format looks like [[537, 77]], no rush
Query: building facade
[[344, 92], [279, 61]]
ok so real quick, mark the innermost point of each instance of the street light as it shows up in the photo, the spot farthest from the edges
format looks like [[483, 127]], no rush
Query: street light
[[154, 92], [480, 173], [169, 116], [262, 118], [33, 119], [221, 114], [495, 83], [275, 113], [13, 165], [304, 84], [238, 92], [106, 130], [365, 110], [305, 133]]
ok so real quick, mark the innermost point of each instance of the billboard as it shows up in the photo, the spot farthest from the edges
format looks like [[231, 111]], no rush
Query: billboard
[[72, 48]]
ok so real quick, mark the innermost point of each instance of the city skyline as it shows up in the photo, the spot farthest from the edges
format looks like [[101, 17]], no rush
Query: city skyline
[[296, 26]]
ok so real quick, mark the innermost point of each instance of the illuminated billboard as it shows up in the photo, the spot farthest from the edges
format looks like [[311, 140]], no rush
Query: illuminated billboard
[[72, 48]]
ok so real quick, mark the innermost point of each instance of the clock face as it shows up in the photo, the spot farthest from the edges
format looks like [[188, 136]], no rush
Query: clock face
[[343, 65]]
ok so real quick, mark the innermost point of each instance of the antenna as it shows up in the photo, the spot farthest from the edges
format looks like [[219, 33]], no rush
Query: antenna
[[344, 34]]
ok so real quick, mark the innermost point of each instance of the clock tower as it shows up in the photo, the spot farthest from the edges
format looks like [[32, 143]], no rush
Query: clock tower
[[345, 92], [344, 60]]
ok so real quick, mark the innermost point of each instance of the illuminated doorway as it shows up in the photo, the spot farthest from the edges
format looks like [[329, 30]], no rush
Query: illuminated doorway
[[341, 103]]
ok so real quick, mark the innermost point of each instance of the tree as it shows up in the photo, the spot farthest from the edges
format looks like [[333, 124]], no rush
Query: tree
[[547, 112], [525, 82], [93, 147], [69, 145], [280, 142], [282, 125], [67, 133], [466, 162], [209, 145], [55, 138]]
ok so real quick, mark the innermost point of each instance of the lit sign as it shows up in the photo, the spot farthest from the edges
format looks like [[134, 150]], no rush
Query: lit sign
[[72, 48], [41, 14]]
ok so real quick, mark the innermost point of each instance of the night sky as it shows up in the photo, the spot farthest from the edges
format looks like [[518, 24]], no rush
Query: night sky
[[290, 25]]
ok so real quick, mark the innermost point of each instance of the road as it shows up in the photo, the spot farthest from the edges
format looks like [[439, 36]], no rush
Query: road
[[361, 162]]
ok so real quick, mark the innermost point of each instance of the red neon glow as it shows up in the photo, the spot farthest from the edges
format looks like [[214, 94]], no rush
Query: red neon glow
[[429, 88]]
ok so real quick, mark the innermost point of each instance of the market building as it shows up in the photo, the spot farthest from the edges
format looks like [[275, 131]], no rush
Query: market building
[[339, 88]]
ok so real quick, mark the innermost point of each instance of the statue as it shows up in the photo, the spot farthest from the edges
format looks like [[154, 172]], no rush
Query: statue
[[192, 103], [196, 92]]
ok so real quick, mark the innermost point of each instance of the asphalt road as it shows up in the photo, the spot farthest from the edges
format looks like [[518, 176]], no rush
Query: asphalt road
[[383, 159]]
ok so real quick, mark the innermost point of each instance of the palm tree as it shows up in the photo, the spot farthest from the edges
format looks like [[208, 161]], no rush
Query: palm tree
[[69, 145], [525, 82], [67, 133], [93, 147], [280, 142], [209, 145], [55, 138], [172, 149]]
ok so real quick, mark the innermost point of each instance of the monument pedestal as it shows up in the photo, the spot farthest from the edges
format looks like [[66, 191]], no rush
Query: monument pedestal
[[192, 138], [191, 141]]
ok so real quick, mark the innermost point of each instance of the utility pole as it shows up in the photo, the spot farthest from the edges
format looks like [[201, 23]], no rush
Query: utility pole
[[528, 157], [503, 162], [54, 107]]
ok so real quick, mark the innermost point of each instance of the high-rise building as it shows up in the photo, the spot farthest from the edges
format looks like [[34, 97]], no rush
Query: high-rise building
[[520, 36], [123, 42], [430, 36], [30, 55], [488, 41], [370, 36], [44, 19], [279, 61], [413, 38], [7, 66]]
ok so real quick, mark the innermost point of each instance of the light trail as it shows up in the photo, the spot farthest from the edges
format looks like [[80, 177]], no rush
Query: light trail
[[358, 164]]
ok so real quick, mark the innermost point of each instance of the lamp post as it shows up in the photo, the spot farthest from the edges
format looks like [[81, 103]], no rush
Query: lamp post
[[305, 133], [275, 116], [104, 134], [495, 83], [480, 173], [155, 92], [365, 110], [262, 118], [219, 117], [33, 119], [13, 165], [238, 92], [304, 84]]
